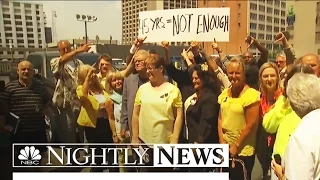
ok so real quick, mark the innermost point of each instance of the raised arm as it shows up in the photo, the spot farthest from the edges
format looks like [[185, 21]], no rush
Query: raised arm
[[263, 50], [287, 48]]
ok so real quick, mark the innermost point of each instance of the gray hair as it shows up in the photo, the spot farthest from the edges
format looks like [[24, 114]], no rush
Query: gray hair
[[303, 92], [281, 54]]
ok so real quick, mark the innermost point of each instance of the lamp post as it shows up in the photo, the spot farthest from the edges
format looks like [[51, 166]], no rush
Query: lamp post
[[11, 52], [86, 19]]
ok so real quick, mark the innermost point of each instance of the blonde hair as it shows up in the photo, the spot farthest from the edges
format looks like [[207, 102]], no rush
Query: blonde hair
[[141, 52], [238, 60], [83, 72], [113, 75], [262, 68]]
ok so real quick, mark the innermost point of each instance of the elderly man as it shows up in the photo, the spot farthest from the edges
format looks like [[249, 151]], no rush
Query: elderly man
[[313, 61], [65, 70], [302, 157], [27, 98]]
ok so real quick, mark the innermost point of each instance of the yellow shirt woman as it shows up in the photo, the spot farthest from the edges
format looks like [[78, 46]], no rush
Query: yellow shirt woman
[[233, 118], [156, 117]]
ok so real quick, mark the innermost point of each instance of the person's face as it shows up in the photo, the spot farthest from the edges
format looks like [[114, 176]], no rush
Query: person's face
[[139, 62], [116, 84], [25, 71], [248, 57], [153, 72], [104, 66], [269, 79], [313, 62], [281, 62], [197, 83], [64, 48], [235, 74]]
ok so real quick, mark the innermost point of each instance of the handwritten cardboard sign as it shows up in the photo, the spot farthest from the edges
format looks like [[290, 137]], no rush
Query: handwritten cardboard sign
[[178, 25]]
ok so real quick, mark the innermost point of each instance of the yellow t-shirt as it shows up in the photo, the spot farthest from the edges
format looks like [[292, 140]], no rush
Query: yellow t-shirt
[[233, 119], [156, 118]]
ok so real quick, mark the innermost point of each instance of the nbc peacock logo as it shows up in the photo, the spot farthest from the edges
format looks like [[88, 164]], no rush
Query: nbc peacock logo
[[29, 156]]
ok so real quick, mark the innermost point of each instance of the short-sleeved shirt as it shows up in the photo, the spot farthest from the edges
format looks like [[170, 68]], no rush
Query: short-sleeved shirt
[[233, 119], [67, 77], [156, 118], [27, 103]]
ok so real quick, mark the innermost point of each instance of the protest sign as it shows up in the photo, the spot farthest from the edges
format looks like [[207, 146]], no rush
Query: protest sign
[[178, 25]]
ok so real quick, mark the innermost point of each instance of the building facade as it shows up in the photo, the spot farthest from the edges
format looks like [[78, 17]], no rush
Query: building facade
[[304, 26], [131, 9], [21, 25], [258, 18]]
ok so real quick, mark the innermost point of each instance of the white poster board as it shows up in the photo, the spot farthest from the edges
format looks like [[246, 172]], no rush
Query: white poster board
[[178, 25]]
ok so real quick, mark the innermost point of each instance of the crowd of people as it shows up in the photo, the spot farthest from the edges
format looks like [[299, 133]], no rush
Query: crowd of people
[[257, 107]]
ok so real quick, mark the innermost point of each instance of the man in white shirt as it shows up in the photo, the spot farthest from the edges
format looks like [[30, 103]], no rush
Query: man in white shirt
[[302, 158]]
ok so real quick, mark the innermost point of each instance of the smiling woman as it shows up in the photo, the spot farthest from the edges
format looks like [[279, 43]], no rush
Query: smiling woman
[[238, 119]]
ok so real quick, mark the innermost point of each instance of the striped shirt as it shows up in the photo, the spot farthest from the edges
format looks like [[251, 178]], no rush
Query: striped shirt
[[27, 103]]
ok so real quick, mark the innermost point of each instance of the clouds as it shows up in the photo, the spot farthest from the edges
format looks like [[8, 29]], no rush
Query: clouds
[[108, 12]]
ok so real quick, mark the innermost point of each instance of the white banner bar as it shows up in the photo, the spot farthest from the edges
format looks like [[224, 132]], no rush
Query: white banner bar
[[180, 25], [131, 176]]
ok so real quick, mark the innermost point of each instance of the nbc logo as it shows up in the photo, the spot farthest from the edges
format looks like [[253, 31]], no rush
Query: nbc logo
[[29, 156]]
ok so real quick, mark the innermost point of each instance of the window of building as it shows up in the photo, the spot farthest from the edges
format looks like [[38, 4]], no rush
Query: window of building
[[17, 16], [269, 1], [37, 12], [5, 3], [16, 4], [253, 35], [6, 22], [276, 20], [20, 41], [261, 8], [6, 15], [269, 19], [253, 6], [28, 17], [8, 34], [283, 13], [283, 29], [261, 27], [262, 18], [253, 26], [29, 23], [17, 11], [276, 29], [268, 37], [30, 35], [269, 28], [29, 29], [19, 29], [8, 28], [18, 22], [261, 36], [30, 41], [276, 11], [283, 22], [19, 35], [20, 52], [253, 16], [283, 4], [269, 10]]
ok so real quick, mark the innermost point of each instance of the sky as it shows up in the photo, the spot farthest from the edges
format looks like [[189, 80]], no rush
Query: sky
[[108, 13]]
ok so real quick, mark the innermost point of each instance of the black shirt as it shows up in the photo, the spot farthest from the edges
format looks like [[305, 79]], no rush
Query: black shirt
[[27, 103]]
